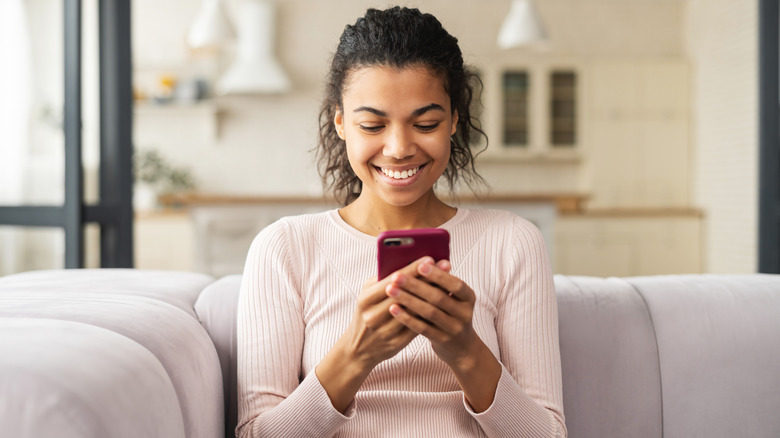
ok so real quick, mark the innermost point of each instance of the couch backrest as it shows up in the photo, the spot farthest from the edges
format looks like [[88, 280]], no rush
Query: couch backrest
[[672, 356], [217, 307], [719, 350], [609, 360]]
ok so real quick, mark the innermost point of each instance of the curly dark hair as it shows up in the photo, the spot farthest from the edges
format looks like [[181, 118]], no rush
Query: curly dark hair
[[397, 38]]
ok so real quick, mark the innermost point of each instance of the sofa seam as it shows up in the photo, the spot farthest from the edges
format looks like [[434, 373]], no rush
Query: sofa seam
[[657, 350]]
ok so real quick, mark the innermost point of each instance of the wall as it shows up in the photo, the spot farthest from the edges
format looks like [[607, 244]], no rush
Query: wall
[[722, 46], [636, 79], [265, 140]]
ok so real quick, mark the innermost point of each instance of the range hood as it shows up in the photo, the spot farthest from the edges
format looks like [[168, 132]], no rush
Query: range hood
[[255, 69]]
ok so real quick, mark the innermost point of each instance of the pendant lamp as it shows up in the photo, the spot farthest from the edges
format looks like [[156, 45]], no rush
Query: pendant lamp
[[211, 28], [522, 26]]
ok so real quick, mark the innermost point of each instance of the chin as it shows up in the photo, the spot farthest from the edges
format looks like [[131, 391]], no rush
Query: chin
[[402, 200]]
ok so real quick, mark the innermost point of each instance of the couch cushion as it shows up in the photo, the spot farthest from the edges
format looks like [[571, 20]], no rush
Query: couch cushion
[[178, 288], [73, 380], [217, 308], [155, 309], [719, 347], [609, 359]]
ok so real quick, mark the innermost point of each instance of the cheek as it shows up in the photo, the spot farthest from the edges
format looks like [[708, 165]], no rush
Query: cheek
[[358, 157], [442, 149]]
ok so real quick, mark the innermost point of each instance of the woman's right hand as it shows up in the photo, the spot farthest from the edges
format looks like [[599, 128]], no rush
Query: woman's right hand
[[373, 336]]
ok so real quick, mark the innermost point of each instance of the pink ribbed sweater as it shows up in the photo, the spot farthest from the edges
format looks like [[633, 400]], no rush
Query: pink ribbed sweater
[[298, 296]]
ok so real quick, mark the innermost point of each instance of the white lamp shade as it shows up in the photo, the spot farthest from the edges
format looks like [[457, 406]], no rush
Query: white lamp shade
[[211, 27], [255, 70], [522, 26]]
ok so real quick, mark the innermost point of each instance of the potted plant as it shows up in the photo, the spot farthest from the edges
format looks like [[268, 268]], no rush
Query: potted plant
[[154, 175]]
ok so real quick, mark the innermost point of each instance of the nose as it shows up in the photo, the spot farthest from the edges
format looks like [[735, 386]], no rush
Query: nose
[[399, 144]]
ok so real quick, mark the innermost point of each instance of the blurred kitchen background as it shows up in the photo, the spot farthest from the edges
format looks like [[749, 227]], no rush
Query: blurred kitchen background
[[629, 134]]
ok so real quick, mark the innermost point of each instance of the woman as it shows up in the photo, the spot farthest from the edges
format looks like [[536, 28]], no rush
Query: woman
[[465, 347]]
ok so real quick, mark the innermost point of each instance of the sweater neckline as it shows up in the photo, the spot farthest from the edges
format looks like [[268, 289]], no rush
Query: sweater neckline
[[337, 220]]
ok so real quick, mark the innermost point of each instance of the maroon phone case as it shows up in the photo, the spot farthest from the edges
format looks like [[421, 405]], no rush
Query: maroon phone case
[[434, 242]]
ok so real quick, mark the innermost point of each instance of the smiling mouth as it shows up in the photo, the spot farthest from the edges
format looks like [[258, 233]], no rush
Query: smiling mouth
[[403, 174]]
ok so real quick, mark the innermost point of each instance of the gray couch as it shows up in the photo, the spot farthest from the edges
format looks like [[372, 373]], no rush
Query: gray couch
[[130, 353]]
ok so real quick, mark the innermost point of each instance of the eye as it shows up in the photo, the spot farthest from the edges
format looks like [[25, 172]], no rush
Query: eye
[[371, 128], [427, 127]]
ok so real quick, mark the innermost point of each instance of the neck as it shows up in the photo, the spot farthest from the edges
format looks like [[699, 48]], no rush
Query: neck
[[372, 216]]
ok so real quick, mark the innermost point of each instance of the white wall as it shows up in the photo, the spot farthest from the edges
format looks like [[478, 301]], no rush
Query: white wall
[[260, 145], [722, 46], [263, 142]]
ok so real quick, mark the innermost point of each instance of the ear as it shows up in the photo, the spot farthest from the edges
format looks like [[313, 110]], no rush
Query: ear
[[454, 122], [338, 122]]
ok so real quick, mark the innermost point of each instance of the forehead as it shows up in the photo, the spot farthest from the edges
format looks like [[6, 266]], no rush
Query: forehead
[[383, 85]]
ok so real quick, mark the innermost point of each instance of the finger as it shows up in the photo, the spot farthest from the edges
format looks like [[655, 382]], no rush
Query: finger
[[448, 321], [416, 325], [373, 290], [444, 265], [412, 286], [369, 282], [395, 329], [368, 295], [377, 315], [455, 286]]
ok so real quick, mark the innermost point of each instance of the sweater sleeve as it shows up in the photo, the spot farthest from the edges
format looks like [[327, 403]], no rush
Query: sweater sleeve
[[529, 399], [273, 395]]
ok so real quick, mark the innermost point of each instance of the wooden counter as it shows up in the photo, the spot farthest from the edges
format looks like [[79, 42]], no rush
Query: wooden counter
[[564, 202]]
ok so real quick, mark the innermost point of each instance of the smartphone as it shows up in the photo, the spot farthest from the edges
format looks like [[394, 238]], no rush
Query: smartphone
[[398, 248]]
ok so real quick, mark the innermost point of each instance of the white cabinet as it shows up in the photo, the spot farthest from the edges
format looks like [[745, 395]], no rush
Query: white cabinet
[[624, 244], [638, 150], [164, 240]]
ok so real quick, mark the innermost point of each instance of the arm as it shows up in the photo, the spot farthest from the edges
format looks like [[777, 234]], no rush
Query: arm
[[530, 391], [521, 395], [440, 307], [272, 397], [372, 337], [270, 343]]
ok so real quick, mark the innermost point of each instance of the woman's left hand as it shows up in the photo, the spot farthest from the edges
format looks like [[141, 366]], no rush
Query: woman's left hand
[[438, 306]]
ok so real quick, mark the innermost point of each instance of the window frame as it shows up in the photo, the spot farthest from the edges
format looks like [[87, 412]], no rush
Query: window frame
[[539, 146]]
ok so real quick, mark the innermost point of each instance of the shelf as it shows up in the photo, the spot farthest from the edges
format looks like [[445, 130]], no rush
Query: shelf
[[203, 107], [204, 113], [517, 154]]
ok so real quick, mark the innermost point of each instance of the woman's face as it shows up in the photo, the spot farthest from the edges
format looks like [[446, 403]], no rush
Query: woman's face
[[397, 126]]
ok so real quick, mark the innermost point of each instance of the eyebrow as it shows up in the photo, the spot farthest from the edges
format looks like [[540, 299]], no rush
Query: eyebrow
[[416, 113]]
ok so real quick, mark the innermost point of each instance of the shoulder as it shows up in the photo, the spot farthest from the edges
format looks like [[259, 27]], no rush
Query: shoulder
[[290, 231], [508, 237]]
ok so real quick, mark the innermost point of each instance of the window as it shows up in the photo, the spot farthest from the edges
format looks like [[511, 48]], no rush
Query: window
[[563, 104], [534, 111], [515, 92], [114, 210]]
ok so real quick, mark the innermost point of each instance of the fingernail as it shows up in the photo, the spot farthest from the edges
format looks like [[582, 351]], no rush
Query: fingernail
[[399, 279], [393, 291], [425, 269], [395, 309]]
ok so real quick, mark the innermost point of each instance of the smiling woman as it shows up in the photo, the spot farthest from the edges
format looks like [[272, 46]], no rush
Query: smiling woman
[[433, 53], [397, 135], [459, 348]]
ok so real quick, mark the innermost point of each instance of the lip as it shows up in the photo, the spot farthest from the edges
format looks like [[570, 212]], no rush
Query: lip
[[399, 182]]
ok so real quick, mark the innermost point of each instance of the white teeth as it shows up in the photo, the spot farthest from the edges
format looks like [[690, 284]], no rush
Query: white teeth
[[400, 174]]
